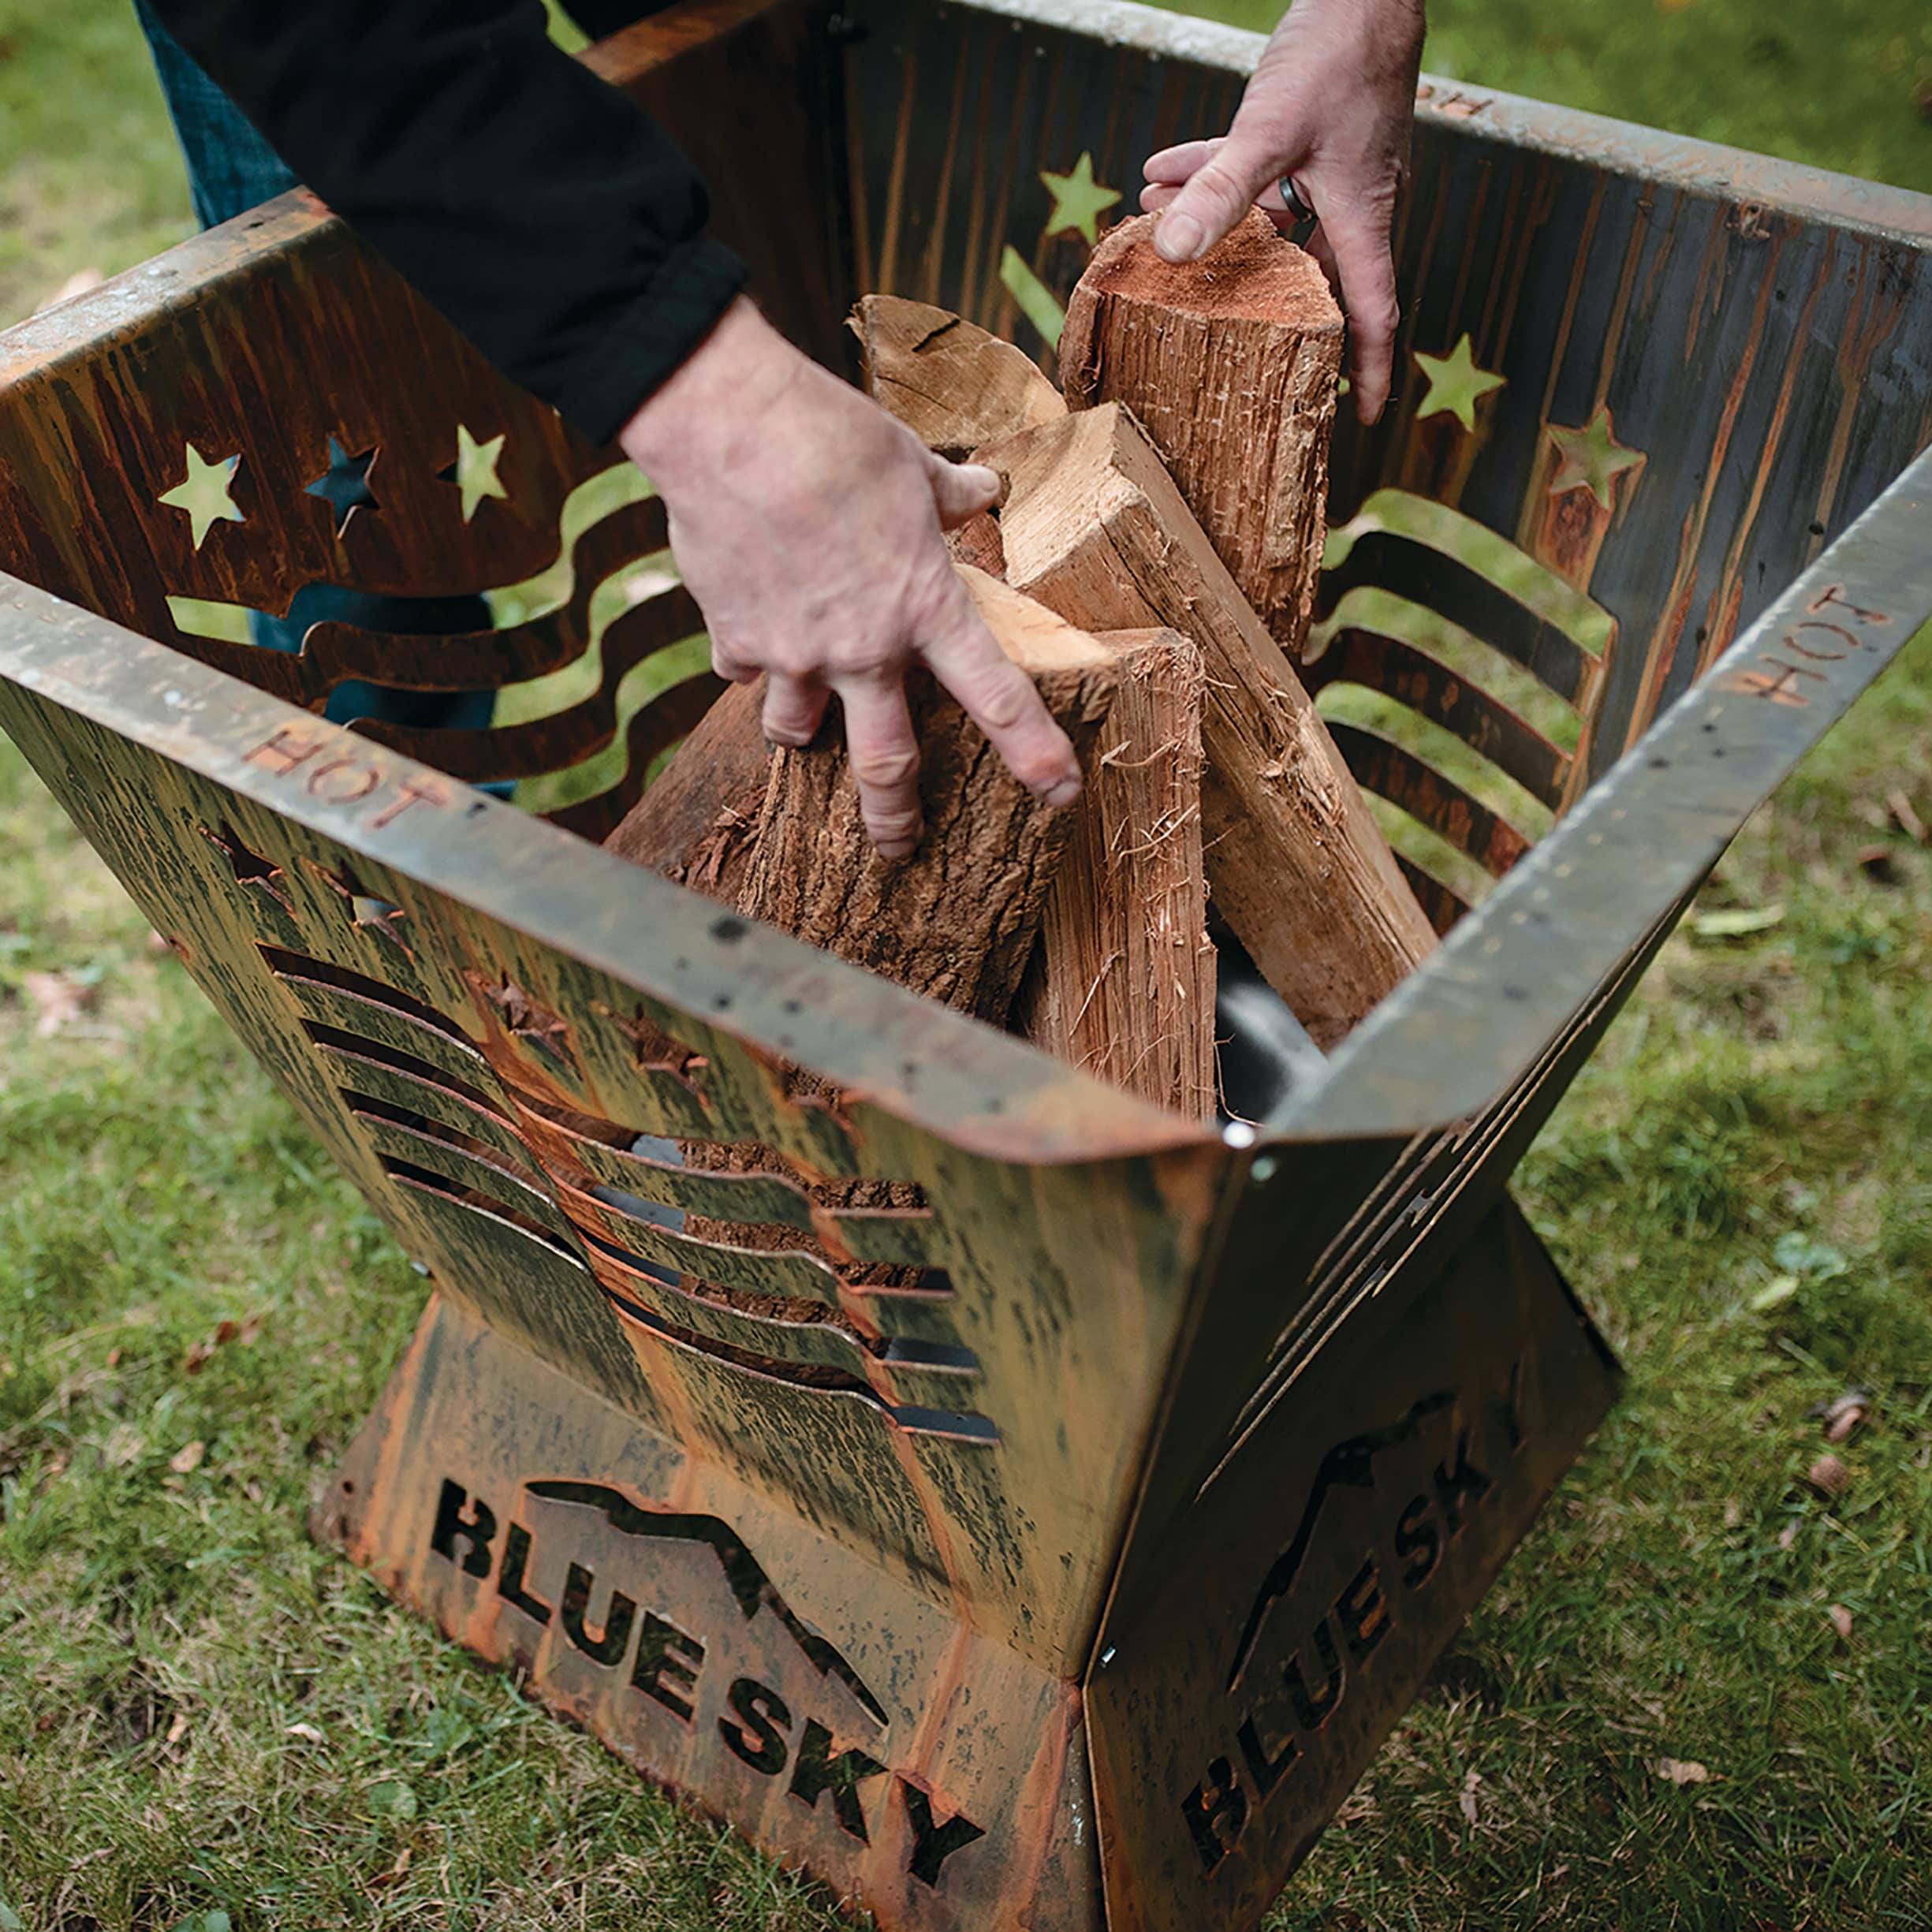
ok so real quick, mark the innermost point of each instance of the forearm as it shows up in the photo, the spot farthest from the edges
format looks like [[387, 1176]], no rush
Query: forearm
[[548, 217]]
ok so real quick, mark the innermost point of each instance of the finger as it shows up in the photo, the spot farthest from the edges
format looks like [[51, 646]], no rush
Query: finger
[[1153, 198], [1216, 197], [1001, 700], [729, 666], [1358, 240], [962, 490], [1173, 165], [884, 754], [1324, 255], [794, 709]]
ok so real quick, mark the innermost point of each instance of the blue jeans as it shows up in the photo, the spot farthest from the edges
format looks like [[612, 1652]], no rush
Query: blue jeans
[[231, 169]]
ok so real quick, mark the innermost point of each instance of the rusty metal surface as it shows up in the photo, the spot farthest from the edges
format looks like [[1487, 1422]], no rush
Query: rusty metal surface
[[1653, 378], [720, 1645], [923, 1445], [1564, 920], [378, 937], [1302, 1600]]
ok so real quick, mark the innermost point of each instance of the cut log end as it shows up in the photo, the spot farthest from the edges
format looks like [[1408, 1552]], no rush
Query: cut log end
[[1255, 274], [953, 385]]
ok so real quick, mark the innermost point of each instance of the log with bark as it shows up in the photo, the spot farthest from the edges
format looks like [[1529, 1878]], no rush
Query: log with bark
[[1230, 364], [1093, 526], [956, 920], [696, 820]]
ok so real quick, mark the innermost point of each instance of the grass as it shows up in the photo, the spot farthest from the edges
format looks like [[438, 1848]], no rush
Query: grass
[[204, 1719]]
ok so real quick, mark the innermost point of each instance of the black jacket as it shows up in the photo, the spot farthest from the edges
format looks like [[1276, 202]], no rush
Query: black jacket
[[549, 219]]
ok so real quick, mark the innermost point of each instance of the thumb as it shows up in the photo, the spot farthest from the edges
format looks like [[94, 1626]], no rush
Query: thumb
[[1217, 196], [962, 490]]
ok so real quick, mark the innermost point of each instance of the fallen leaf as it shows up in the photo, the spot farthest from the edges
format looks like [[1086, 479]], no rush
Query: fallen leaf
[[305, 1731], [178, 1729], [1876, 862], [1843, 1422], [1907, 820], [1737, 922], [1468, 1801], [1680, 1770], [59, 998], [185, 1461], [1830, 1477], [226, 1330], [393, 1798], [1780, 1289], [1840, 1621], [1787, 1535]]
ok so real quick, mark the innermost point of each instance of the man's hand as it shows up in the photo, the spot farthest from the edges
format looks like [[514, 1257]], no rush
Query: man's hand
[[808, 525], [1330, 105]]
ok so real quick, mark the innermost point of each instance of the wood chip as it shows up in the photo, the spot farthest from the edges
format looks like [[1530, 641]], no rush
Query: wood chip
[[187, 1460]]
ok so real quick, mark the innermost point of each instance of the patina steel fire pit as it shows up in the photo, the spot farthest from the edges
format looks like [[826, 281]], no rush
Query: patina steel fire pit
[[1075, 1584]]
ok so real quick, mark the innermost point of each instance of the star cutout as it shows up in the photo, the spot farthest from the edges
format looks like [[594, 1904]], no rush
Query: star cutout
[[205, 494], [367, 913], [1456, 384], [475, 470], [345, 485], [548, 1031], [657, 1052], [1592, 456], [1079, 201], [250, 868]]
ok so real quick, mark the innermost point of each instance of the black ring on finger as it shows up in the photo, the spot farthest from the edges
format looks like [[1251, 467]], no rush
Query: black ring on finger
[[1294, 200]]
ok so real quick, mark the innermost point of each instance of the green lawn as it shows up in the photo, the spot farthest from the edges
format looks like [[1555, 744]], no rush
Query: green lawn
[[202, 1718]]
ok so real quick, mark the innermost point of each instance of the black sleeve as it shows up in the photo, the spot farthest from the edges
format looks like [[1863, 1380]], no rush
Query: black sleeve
[[546, 216]]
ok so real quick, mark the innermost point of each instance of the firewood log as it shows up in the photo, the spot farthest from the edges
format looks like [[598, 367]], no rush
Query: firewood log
[[1123, 982], [1230, 364], [1094, 527], [952, 384]]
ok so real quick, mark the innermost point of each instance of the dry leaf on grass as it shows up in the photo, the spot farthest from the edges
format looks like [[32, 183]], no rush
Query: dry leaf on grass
[[1840, 1620], [1681, 1770], [59, 999], [1908, 820], [1468, 1800], [1830, 1477], [185, 1461], [306, 1732], [1736, 922]]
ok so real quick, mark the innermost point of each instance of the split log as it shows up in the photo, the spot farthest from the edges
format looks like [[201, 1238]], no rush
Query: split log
[[1230, 364], [951, 384], [695, 820], [1094, 527], [956, 920], [1123, 984]]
